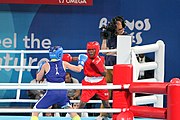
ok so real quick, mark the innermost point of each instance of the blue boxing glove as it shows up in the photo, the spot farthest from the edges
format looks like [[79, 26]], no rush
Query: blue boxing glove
[[40, 65], [82, 59]]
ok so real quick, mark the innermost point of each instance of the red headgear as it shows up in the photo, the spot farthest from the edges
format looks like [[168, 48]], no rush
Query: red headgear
[[93, 45]]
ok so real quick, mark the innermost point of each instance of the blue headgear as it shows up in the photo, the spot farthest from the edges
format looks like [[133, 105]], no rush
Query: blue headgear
[[56, 52]]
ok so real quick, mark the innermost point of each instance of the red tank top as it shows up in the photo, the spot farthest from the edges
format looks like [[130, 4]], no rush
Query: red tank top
[[90, 70]]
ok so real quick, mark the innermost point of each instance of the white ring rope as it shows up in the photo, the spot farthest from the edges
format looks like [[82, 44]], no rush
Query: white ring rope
[[138, 100], [15, 110], [36, 67], [46, 51], [25, 86], [146, 48], [34, 101], [148, 66]]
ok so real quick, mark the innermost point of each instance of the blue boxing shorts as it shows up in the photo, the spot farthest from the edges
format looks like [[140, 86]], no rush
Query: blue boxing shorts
[[52, 97]]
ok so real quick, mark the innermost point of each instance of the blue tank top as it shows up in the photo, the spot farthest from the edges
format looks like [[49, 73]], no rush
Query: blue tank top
[[56, 72]]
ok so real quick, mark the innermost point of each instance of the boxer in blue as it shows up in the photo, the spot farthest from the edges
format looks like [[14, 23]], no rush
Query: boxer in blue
[[55, 71]]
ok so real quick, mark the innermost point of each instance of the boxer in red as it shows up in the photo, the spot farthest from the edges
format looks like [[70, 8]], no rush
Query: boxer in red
[[94, 71]]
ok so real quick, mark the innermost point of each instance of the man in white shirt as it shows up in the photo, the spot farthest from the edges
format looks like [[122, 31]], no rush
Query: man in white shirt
[[73, 94]]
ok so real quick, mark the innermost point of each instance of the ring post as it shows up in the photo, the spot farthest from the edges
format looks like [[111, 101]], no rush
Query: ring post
[[122, 74], [173, 100], [159, 72]]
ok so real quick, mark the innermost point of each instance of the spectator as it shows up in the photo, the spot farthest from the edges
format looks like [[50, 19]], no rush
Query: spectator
[[76, 106], [142, 58], [55, 106], [73, 94]]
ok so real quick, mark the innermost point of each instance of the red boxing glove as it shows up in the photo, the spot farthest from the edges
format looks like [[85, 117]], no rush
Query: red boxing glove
[[67, 58], [99, 64]]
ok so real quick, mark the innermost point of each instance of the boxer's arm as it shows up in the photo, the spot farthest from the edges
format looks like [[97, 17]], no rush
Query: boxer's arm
[[81, 60], [40, 65], [41, 72], [72, 67], [100, 65], [74, 58]]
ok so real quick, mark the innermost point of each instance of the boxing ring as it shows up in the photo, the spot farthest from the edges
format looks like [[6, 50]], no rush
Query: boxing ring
[[125, 84]]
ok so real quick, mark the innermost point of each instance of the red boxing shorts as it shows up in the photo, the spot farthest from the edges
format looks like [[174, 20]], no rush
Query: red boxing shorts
[[88, 94]]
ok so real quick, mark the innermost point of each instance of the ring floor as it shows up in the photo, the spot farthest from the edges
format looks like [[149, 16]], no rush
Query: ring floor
[[55, 118]]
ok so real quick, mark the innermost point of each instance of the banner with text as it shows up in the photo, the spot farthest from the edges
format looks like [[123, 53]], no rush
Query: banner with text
[[50, 2]]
